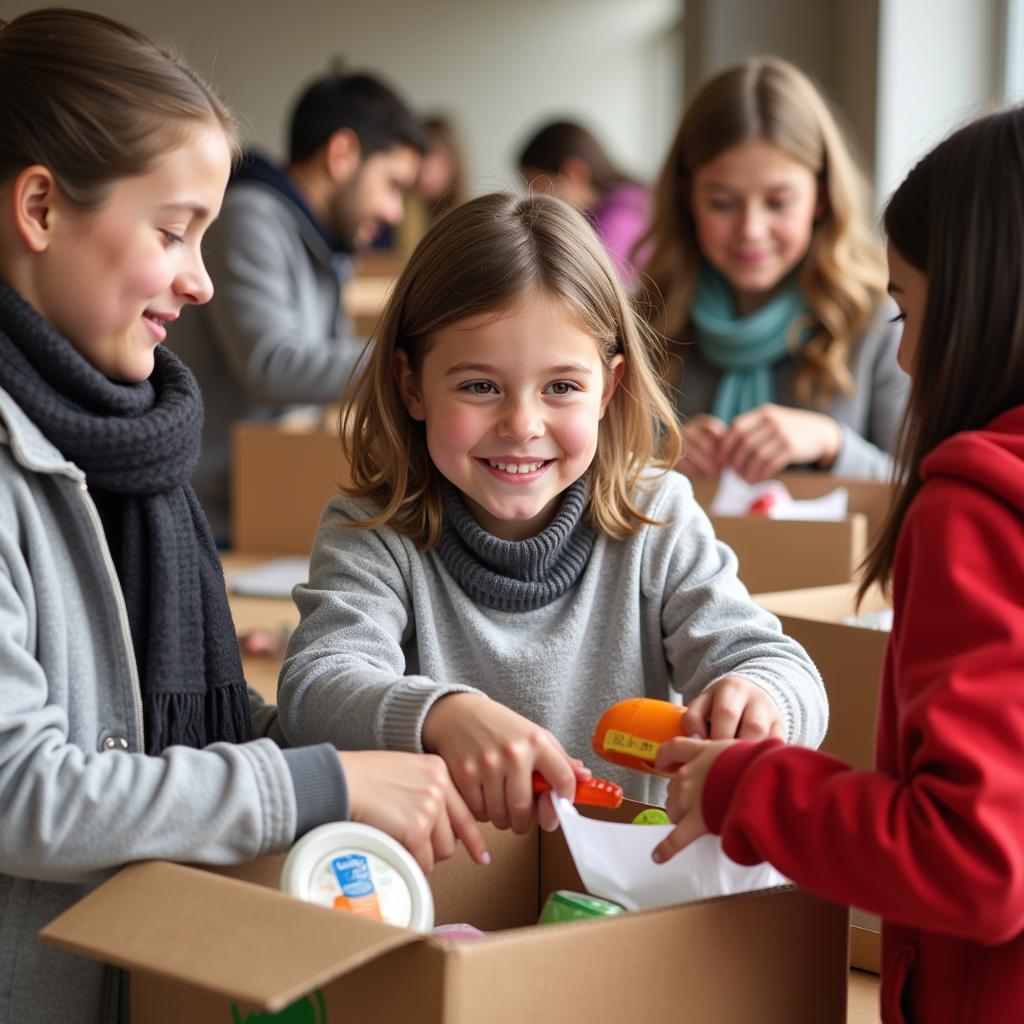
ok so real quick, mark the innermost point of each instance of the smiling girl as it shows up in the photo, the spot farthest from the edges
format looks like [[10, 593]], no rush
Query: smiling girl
[[127, 731], [515, 554], [764, 272]]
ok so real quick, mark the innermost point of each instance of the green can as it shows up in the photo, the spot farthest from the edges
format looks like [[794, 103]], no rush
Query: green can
[[564, 905], [652, 816]]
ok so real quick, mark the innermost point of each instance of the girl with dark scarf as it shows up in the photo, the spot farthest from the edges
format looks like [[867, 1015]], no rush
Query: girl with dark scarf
[[127, 731]]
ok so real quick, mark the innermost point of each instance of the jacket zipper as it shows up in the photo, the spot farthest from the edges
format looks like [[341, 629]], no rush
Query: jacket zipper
[[122, 611]]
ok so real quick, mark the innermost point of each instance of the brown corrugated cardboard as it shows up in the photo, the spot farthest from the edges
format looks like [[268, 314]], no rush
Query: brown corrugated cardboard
[[777, 554], [204, 947], [780, 554], [850, 659], [871, 498], [281, 478]]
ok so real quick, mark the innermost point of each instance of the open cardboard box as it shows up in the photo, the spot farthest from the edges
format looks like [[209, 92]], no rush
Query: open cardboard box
[[779, 554], [282, 476], [850, 659], [203, 946]]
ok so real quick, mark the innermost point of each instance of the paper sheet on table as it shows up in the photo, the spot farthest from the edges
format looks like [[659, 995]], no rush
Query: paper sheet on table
[[275, 578], [735, 496], [614, 862]]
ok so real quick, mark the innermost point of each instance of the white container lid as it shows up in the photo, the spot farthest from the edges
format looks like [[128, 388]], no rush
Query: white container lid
[[321, 859]]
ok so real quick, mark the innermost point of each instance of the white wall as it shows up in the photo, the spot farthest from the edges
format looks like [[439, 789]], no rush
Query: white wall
[[940, 62], [832, 41], [499, 67]]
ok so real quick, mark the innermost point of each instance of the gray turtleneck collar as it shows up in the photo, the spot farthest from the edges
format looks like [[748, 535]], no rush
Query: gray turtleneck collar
[[516, 576]]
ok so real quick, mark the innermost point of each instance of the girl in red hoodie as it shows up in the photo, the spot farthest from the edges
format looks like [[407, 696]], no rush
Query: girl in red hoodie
[[933, 838]]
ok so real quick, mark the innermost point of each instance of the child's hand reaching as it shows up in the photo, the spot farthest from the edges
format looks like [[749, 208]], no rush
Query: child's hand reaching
[[685, 790], [492, 753], [411, 797], [733, 708]]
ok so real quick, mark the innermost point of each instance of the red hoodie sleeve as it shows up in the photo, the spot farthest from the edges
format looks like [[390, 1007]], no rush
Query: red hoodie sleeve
[[938, 843]]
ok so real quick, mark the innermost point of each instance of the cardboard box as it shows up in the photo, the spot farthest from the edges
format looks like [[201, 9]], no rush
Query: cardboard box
[[282, 476], [205, 947], [778, 554], [850, 659]]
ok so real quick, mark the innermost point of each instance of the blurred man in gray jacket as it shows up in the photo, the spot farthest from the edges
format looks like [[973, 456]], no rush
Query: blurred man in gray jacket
[[275, 336]]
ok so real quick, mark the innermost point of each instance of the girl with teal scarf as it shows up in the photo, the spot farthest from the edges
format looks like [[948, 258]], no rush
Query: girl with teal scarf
[[744, 348], [765, 272]]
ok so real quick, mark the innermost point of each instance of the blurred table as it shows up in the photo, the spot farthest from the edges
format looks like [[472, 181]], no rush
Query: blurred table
[[862, 998], [277, 615], [364, 298]]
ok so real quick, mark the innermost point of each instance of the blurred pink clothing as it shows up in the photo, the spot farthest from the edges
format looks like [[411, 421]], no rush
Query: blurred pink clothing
[[619, 219]]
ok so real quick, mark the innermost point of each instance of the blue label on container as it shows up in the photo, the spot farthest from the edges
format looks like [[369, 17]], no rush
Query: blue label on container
[[353, 874]]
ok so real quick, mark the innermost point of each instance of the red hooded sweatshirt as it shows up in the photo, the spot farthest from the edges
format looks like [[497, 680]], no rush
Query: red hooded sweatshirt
[[933, 839]]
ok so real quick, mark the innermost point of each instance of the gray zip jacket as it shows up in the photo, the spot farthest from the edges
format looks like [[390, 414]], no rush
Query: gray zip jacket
[[386, 631], [273, 338], [77, 797]]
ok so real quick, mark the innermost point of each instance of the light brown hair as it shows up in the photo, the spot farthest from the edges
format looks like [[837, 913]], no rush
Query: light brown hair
[[958, 217], [94, 101], [481, 258], [842, 277]]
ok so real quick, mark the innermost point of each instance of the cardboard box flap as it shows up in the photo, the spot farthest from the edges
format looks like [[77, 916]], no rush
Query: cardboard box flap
[[227, 937], [822, 604]]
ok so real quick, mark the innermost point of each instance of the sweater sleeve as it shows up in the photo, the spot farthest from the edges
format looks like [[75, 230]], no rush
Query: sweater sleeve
[[344, 679], [712, 628], [256, 319], [937, 846], [71, 814], [869, 454]]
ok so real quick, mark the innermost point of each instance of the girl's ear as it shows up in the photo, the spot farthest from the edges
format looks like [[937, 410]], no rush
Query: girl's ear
[[408, 384], [34, 200], [612, 380]]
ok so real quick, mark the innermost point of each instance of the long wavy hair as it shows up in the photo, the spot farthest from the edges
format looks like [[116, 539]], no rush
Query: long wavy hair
[[959, 219], [481, 258], [842, 276]]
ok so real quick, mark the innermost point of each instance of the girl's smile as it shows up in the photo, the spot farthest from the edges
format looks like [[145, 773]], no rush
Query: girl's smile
[[514, 471], [511, 404]]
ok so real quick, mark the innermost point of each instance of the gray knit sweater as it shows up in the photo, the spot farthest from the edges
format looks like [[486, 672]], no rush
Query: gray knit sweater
[[387, 629]]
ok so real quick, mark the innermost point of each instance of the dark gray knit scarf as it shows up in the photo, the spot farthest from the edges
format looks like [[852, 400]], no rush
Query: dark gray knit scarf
[[138, 445], [516, 576]]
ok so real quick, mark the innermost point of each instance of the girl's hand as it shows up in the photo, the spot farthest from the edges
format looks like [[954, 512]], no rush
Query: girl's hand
[[703, 435], [765, 440], [685, 790], [411, 797], [492, 753], [735, 708]]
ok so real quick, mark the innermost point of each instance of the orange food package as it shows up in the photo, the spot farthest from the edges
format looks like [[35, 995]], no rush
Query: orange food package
[[630, 732]]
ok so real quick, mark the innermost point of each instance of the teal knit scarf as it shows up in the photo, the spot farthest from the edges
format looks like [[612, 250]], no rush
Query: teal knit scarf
[[744, 348]]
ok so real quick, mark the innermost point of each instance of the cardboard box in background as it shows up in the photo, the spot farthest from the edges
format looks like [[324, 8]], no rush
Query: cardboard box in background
[[282, 476], [850, 659], [872, 498], [779, 554], [782, 554], [203, 947]]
